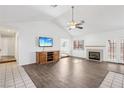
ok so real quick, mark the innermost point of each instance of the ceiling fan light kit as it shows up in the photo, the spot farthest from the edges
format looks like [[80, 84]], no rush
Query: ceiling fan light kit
[[72, 24]]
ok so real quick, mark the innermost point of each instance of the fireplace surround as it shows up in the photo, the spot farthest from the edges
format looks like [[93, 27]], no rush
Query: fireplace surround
[[95, 54]]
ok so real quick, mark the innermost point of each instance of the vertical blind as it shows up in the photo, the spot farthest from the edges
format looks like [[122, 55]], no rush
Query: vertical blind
[[116, 51], [112, 50], [122, 51]]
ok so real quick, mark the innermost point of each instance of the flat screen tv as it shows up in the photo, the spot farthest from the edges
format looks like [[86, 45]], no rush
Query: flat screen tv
[[45, 42]]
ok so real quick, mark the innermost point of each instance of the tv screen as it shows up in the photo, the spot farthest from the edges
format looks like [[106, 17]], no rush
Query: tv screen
[[45, 42]]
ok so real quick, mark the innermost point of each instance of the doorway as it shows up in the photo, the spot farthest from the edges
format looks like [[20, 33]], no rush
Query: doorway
[[7, 46], [65, 48]]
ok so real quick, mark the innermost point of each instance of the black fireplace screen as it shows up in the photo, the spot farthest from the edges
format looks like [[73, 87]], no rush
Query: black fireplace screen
[[94, 55]]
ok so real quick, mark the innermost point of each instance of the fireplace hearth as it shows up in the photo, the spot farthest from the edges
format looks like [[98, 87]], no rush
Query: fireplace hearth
[[94, 55]]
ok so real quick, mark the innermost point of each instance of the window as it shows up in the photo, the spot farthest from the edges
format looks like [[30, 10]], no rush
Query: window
[[112, 50], [122, 51]]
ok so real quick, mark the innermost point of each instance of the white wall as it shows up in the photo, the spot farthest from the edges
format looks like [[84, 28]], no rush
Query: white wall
[[16, 47], [28, 39], [99, 39], [8, 46], [0, 46]]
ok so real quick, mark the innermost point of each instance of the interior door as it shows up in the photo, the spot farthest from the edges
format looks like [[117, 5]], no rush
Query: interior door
[[65, 47]]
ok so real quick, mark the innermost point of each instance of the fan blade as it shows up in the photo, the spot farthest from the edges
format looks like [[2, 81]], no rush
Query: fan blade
[[79, 27], [82, 21], [79, 24]]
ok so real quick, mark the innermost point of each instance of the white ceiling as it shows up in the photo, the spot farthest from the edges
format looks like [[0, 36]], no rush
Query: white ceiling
[[97, 18], [21, 13], [52, 11]]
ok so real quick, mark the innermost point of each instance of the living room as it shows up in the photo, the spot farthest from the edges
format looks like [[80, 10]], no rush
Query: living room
[[64, 46]]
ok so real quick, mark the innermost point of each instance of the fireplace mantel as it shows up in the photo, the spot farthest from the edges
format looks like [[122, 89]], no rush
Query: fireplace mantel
[[94, 46]]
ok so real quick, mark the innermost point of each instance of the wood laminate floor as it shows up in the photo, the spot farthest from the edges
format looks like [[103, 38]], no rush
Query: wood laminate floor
[[71, 73]]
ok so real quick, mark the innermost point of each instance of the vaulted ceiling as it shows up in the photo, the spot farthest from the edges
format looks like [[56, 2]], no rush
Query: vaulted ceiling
[[97, 18]]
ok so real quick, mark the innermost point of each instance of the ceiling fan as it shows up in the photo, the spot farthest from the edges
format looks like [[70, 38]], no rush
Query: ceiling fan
[[73, 24]]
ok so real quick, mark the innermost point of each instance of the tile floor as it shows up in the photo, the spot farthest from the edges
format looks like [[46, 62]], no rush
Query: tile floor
[[14, 76], [113, 80]]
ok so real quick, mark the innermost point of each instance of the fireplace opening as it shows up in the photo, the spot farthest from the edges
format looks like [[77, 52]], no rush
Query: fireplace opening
[[94, 55]]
